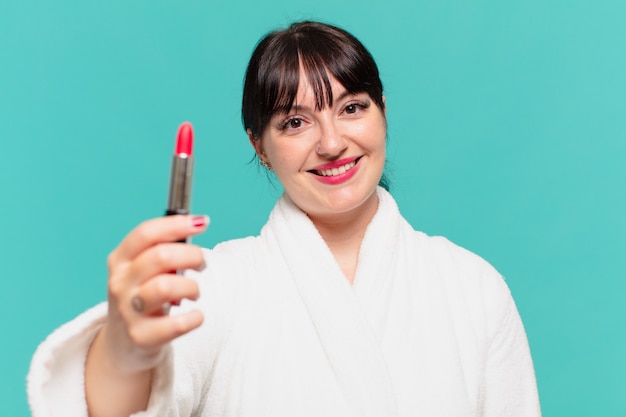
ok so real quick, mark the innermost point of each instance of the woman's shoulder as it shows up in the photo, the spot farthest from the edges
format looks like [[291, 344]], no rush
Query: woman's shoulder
[[443, 248], [475, 290], [234, 258], [239, 248], [461, 267]]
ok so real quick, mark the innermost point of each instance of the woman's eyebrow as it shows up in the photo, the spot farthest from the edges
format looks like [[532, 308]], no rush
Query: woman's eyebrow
[[345, 94]]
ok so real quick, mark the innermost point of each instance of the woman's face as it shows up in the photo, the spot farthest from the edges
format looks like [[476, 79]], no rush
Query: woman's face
[[329, 161]]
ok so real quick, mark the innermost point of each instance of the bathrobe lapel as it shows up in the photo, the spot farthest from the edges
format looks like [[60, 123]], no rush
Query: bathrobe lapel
[[378, 264], [344, 329]]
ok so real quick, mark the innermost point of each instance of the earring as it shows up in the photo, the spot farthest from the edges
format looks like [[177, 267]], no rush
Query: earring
[[265, 164]]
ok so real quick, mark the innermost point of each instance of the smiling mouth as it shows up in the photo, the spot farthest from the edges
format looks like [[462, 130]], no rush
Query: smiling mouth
[[331, 172]]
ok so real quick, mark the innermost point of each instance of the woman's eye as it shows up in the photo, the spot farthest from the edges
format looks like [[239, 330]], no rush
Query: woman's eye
[[353, 108], [293, 123]]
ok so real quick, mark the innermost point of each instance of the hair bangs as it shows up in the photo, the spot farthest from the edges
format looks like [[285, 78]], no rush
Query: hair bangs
[[279, 85], [314, 65], [283, 79], [322, 57]]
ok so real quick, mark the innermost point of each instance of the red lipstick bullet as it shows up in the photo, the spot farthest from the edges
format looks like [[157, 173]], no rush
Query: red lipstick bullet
[[182, 170]]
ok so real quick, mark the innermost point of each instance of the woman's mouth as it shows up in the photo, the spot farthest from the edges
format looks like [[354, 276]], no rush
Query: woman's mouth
[[336, 170]]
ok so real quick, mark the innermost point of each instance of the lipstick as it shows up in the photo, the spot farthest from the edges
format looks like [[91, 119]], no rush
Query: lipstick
[[337, 172], [179, 198]]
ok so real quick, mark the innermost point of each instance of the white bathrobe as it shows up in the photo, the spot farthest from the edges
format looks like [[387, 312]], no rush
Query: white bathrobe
[[427, 329]]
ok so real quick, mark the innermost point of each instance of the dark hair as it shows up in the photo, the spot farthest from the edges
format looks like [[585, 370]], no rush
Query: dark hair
[[273, 74]]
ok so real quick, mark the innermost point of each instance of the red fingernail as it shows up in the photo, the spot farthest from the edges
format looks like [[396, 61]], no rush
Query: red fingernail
[[198, 221]]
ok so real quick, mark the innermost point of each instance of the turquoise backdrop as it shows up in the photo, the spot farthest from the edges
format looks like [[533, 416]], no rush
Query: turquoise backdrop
[[507, 134]]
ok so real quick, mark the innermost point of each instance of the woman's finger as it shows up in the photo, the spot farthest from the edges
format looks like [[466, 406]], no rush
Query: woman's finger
[[154, 231], [157, 292], [164, 258], [161, 259], [151, 333]]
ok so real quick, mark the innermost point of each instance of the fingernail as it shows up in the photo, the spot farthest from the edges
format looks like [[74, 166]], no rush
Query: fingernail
[[199, 221]]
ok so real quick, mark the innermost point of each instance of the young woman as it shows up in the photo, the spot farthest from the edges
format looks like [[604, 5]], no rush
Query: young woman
[[337, 308]]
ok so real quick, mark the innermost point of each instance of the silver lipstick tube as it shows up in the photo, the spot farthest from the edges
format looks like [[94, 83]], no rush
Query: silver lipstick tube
[[179, 200]]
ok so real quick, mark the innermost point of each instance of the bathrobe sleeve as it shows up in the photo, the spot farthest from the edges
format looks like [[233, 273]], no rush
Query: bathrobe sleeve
[[510, 383], [56, 376], [56, 382], [486, 328]]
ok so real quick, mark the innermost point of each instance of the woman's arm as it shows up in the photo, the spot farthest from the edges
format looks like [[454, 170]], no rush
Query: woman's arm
[[111, 391], [511, 387]]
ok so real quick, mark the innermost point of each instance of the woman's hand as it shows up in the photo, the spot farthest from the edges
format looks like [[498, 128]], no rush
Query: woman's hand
[[142, 280]]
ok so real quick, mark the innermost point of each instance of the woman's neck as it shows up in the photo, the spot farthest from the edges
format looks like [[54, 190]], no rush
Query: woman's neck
[[343, 233]]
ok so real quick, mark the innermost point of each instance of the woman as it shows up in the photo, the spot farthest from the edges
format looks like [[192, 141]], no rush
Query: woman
[[337, 308]]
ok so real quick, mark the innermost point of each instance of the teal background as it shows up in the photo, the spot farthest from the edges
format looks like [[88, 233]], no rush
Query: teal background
[[507, 134]]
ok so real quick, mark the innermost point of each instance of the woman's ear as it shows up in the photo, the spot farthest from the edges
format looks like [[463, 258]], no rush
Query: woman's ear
[[385, 106], [256, 143]]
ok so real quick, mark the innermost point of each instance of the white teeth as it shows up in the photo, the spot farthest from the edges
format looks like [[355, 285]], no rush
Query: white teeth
[[336, 171]]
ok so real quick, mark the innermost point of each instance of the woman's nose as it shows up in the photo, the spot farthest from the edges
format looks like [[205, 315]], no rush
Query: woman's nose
[[331, 141]]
